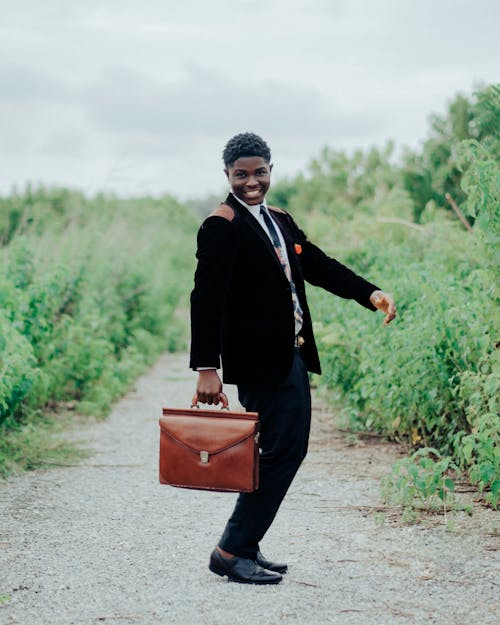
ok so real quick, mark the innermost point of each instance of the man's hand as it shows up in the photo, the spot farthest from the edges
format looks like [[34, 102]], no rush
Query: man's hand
[[209, 387], [385, 303]]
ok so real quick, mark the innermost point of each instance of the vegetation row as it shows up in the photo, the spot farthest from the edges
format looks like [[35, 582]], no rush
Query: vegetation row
[[88, 295], [432, 378]]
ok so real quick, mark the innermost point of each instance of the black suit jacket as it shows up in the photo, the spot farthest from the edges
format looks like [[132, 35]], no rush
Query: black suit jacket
[[241, 304]]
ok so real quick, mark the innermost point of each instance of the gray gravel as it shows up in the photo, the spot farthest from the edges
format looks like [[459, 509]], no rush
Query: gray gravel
[[103, 542]]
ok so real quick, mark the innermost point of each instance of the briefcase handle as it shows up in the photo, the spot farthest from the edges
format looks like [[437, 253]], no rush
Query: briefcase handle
[[223, 397]]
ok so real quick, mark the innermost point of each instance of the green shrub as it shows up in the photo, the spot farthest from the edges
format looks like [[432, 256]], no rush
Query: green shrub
[[88, 293], [431, 378]]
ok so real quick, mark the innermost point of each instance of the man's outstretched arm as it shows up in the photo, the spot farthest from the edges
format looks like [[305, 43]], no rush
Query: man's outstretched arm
[[328, 273]]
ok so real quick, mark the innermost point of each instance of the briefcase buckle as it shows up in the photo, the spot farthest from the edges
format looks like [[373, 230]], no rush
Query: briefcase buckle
[[204, 457]]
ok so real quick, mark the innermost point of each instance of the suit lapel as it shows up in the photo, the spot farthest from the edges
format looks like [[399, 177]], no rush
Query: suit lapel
[[256, 227], [289, 241]]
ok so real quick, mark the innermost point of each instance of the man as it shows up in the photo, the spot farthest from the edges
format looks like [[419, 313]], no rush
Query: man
[[249, 308]]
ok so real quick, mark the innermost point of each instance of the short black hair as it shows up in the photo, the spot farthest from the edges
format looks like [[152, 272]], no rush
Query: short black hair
[[245, 144]]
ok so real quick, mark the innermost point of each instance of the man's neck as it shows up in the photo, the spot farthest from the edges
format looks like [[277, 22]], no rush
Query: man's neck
[[251, 207]]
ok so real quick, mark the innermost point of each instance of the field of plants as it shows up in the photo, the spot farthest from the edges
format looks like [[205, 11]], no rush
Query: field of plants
[[432, 378], [88, 295], [89, 290]]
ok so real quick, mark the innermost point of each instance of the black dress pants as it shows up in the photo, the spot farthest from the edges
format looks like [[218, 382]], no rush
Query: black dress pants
[[285, 418]]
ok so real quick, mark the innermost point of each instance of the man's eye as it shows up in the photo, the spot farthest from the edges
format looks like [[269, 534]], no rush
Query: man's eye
[[240, 174]]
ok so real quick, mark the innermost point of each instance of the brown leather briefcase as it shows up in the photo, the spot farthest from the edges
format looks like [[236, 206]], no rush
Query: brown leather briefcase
[[209, 449]]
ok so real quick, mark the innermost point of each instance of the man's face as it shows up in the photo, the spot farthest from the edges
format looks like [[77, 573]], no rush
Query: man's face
[[250, 177]]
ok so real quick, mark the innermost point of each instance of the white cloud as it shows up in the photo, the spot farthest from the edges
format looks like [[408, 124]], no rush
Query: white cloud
[[126, 95]]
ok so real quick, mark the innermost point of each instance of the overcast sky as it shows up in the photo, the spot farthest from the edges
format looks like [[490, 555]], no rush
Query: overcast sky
[[140, 97]]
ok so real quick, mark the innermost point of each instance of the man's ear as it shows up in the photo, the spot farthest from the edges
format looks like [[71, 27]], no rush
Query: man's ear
[[226, 171], [271, 167]]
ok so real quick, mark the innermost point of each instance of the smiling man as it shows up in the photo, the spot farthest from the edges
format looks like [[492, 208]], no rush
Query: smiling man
[[249, 311]]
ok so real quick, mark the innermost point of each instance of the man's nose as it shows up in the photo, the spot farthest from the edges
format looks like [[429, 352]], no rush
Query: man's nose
[[252, 181]]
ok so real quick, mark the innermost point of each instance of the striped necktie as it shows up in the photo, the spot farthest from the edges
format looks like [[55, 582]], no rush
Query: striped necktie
[[297, 309]]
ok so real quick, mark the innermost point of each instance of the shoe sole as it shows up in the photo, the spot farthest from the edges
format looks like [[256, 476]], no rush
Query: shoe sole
[[280, 571], [223, 573]]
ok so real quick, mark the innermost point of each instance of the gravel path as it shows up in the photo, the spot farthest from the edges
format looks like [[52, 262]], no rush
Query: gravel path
[[103, 542]]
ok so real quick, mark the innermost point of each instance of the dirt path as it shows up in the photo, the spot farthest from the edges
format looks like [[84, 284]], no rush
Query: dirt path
[[103, 542]]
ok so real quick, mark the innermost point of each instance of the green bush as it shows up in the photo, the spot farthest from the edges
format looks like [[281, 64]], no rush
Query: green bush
[[88, 294], [17, 368], [422, 483], [431, 378]]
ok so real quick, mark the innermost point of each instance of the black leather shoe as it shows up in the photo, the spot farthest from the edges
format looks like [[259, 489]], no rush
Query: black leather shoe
[[242, 570], [277, 567]]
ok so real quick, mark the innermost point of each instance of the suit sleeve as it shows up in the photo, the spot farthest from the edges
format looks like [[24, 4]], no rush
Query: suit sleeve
[[326, 272], [215, 253]]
